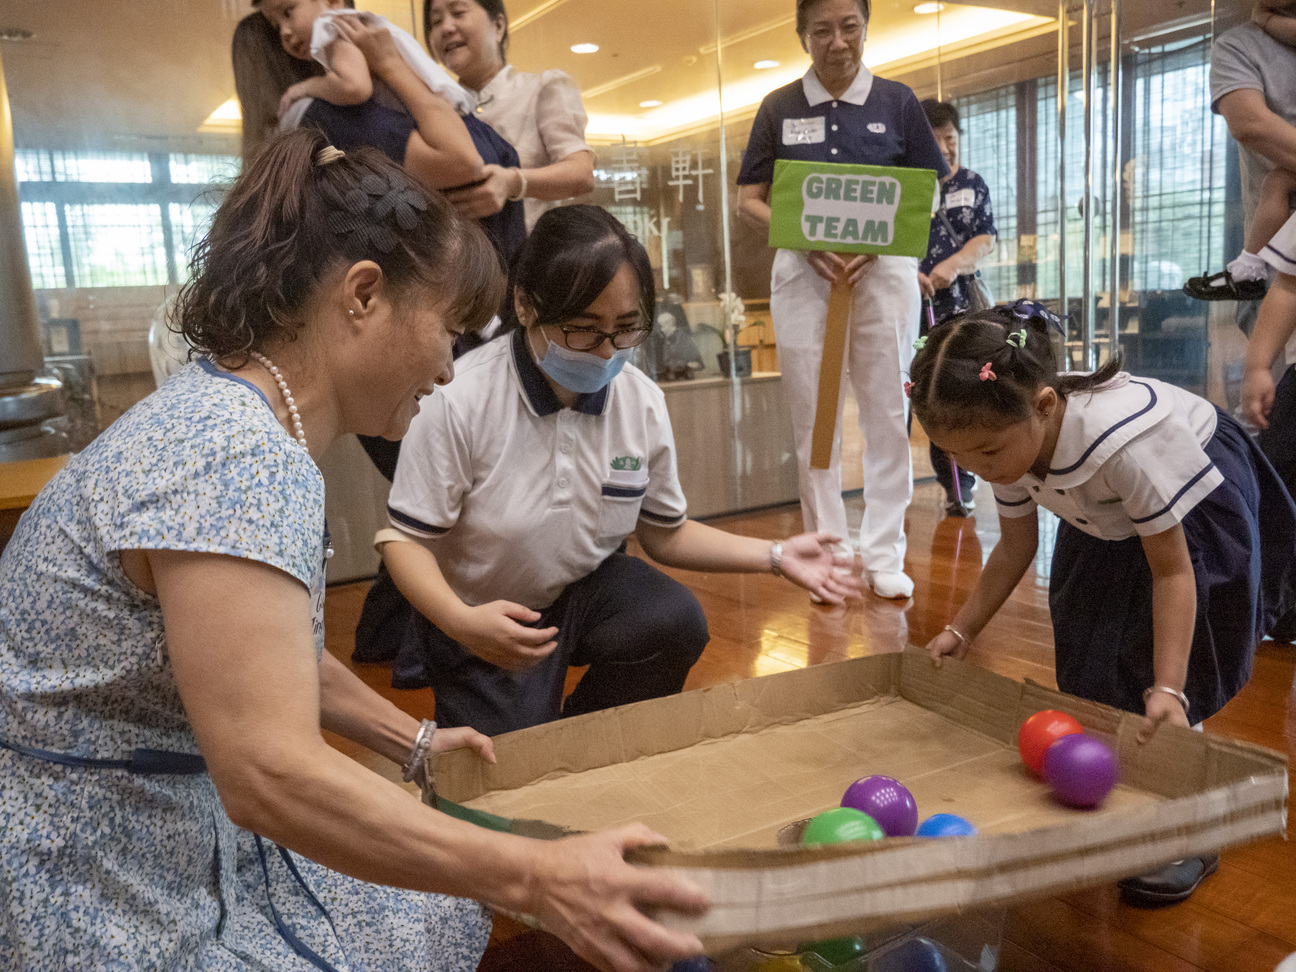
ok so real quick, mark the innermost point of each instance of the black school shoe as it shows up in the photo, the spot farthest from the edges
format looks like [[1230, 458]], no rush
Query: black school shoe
[[1222, 286], [1173, 883]]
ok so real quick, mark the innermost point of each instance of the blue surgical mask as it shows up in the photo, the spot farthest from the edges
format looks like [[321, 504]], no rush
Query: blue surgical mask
[[581, 371]]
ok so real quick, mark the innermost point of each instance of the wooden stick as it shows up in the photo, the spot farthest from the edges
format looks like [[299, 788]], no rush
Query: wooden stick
[[830, 369]]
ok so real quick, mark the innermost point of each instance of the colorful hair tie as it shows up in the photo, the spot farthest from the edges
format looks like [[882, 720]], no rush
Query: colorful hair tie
[[987, 373], [908, 387], [920, 343], [1017, 338]]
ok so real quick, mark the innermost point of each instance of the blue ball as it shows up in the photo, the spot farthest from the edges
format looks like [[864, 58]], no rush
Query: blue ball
[[699, 963], [945, 825], [915, 955]]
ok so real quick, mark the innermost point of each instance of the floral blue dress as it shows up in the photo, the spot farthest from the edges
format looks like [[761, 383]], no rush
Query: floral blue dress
[[108, 869]]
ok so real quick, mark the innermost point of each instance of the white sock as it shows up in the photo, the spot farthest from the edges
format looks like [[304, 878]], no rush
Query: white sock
[[1248, 266]]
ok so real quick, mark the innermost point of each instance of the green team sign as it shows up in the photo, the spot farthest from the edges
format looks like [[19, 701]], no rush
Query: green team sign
[[851, 208]]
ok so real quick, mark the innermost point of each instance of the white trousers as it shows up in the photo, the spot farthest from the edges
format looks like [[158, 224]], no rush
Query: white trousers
[[879, 348]]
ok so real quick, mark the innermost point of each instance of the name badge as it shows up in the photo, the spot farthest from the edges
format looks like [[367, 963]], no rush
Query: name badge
[[803, 131], [963, 197], [877, 128]]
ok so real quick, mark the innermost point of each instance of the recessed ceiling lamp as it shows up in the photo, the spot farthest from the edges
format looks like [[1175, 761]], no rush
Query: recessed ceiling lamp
[[929, 8], [15, 34], [765, 65], [651, 103], [584, 48]]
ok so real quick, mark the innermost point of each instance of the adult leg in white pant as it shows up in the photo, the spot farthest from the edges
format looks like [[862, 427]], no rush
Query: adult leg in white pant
[[884, 324]]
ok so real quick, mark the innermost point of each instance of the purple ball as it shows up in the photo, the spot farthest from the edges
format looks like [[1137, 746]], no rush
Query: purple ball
[[1081, 770], [886, 800]]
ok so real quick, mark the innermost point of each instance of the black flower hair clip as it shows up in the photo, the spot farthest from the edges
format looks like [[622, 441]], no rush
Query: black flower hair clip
[[365, 207], [1025, 310]]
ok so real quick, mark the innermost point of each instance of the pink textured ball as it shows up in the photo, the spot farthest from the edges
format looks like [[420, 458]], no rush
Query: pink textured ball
[[1080, 769]]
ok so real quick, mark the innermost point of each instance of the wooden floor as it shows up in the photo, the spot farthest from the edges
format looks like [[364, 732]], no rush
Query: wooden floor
[[1243, 919]]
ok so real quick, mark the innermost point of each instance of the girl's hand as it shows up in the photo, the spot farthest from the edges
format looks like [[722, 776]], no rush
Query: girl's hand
[[1257, 396], [294, 93], [813, 561], [585, 893], [373, 40], [497, 633], [462, 737], [1161, 707], [485, 198], [948, 643]]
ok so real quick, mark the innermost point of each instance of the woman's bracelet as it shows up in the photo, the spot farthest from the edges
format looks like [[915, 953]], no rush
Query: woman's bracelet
[[963, 639], [522, 187], [1183, 699], [776, 558], [422, 746]]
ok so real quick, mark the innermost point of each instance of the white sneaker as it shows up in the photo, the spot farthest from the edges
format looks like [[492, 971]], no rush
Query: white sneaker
[[894, 585]]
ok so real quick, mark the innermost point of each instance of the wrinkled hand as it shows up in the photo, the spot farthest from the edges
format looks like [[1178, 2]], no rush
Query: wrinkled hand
[[1161, 707], [814, 561], [484, 198], [1257, 396], [942, 275], [925, 285], [830, 265], [463, 737], [588, 896], [497, 633], [294, 93], [947, 643], [374, 41]]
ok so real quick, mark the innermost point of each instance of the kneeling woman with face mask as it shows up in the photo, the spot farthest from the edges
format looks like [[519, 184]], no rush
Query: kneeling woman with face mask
[[519, 484]]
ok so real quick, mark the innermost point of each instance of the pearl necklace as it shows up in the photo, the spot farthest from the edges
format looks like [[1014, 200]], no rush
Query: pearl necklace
[[269, 366]]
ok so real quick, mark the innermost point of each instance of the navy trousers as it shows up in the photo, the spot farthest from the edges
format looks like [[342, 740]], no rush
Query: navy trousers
[[638, 630]]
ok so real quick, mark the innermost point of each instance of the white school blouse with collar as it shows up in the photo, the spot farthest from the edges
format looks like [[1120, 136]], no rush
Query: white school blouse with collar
[[1130, 459], [521, 496]]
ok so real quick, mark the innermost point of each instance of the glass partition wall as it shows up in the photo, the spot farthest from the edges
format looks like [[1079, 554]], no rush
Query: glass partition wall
[[1106, 198]]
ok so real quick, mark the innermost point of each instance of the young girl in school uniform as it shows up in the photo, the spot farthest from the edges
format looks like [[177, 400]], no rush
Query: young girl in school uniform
[[1162, 580]]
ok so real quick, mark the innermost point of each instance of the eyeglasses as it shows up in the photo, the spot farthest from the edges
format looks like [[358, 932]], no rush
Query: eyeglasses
[[591, 338]]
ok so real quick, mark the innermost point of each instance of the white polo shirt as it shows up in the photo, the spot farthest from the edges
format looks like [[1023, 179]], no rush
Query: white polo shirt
[[521, 496], [1129, 460]]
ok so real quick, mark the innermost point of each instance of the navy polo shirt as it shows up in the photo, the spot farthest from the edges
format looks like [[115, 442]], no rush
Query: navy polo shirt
[[875, 122]]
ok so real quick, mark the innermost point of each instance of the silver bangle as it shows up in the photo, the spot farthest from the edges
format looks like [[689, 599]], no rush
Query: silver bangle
[[963, 639], [1183, 699], [422, 745], [522, 186], [776, 558]]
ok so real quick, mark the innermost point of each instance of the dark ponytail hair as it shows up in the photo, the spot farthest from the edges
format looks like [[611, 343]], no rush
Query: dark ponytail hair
[[493, 8], [968, 371], [294, 216], [569, 259]]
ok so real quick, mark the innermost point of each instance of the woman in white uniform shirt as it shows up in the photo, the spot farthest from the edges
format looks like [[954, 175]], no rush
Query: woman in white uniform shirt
[[540, 115]]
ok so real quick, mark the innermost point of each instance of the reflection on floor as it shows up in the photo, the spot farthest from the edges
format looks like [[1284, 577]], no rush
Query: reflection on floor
[[1241, 919]]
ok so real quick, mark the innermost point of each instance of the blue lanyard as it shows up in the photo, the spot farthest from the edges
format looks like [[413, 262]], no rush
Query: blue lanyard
[[285, 932]]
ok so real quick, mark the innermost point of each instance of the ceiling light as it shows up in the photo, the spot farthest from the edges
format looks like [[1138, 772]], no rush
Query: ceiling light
[[765, 65], [651, 103], [15, 34], [584, 48], [929, 8], [227, 118]]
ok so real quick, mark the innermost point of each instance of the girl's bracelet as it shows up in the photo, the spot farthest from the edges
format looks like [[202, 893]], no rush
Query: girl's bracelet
[[1183, 699], [422, 746], [963, 639]]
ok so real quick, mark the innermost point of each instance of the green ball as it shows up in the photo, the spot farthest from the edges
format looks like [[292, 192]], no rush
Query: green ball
[[839, 825], [835, 951]]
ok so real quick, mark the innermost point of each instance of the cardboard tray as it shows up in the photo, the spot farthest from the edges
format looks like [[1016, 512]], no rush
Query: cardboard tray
[[722, 772]]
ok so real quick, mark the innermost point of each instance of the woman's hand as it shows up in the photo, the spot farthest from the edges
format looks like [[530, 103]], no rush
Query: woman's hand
[[948, 643], [586, 894], [942, 275], [485, 198], [830, 266], [813, 561], [463, 737], [294, 93], [371, 38], [925, 285], [1257, 396], [497, 633], [1161, 707]]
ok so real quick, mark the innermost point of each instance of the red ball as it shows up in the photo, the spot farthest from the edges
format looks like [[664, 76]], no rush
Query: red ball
[[1041, 731]]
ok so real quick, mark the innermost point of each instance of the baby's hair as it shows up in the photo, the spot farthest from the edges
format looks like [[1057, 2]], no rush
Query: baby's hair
[[986, 368], [296, 215]]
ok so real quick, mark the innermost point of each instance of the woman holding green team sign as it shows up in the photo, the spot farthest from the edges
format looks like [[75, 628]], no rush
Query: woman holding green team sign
[[840, 113]]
